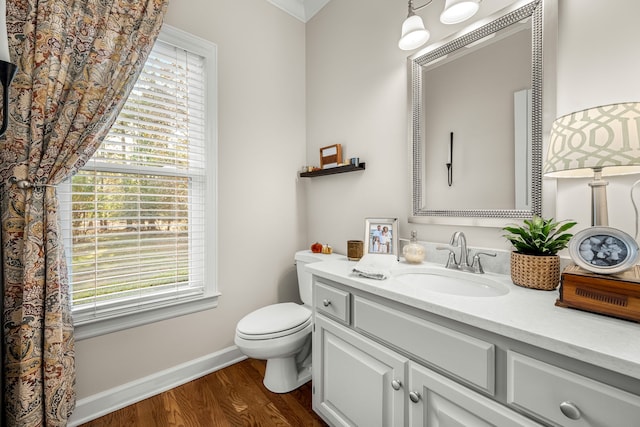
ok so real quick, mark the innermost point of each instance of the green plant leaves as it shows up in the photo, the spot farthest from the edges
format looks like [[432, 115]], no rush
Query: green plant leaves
[[539, 236]]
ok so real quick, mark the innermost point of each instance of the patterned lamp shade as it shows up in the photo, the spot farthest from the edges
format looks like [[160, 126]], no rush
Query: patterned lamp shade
[[606, 138]]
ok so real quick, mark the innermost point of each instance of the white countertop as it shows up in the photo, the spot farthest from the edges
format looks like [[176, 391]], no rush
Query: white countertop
[[526, 315]]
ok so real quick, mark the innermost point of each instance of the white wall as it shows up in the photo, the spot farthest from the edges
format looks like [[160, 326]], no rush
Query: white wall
[[598, 64], [261, 88]]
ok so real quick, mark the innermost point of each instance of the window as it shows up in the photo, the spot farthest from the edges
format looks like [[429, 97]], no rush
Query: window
[[140, 216]]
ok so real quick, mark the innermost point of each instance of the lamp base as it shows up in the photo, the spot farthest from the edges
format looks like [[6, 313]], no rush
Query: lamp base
[[599, 213]]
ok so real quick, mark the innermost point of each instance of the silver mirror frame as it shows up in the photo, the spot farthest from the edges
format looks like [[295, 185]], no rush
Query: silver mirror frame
[[506, 17]]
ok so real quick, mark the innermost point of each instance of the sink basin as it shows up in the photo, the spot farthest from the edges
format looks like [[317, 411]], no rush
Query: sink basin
[[453, 282]]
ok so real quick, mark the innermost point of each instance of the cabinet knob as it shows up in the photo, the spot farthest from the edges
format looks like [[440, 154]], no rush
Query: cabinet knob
[[414, 396], [396, 384], [570, 410], [326, 302]]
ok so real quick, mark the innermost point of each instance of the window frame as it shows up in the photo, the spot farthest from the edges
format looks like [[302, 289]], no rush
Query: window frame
[[209, 298]]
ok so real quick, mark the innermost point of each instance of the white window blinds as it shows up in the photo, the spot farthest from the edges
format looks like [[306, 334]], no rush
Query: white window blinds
[[137, 218]]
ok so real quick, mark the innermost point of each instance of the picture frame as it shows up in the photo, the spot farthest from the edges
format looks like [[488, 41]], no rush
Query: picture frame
[[603, 250], [330, 156], [381, 236]]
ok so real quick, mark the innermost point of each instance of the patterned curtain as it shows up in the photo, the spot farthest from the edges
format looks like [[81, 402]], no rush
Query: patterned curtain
[[77, 62]]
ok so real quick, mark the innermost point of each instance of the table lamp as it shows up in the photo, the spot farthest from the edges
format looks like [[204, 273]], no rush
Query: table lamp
[[598, 142]]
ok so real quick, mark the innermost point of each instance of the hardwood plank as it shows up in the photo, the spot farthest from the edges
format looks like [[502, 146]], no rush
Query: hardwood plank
[[211, 407], [296, 404], [125, 417], [258, 401], [231, 397], [149, 411], [184, 408]]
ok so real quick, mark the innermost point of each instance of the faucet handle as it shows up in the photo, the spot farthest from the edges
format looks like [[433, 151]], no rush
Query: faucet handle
[[451, 260], [476, 265]]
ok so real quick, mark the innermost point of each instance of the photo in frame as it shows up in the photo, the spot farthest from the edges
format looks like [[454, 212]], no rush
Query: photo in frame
[[603, 250], [381, 236]]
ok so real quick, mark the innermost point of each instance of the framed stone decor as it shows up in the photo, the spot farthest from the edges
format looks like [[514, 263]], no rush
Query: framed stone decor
[[603, 250]]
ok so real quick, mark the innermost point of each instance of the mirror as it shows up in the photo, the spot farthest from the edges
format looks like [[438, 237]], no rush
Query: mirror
[[476, 121]]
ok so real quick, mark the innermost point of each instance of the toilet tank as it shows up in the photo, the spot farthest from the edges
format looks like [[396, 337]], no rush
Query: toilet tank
[[304, 278]]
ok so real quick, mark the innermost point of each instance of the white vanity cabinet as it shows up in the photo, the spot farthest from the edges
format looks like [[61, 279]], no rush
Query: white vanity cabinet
[[378, 362], [360, 381]]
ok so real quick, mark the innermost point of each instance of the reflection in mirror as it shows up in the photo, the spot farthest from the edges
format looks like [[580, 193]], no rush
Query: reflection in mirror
[[476, 121]]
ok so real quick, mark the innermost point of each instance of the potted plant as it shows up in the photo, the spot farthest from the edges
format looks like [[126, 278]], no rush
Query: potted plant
[[535, 263]]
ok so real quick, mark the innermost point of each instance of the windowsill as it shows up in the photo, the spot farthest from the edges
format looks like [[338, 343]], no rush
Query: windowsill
[[105, 326]]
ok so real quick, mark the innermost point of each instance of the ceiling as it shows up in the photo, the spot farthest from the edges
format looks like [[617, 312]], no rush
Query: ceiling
[[301, 9]]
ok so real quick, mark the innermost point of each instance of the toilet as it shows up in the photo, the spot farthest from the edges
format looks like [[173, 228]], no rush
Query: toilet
[[281, 333]]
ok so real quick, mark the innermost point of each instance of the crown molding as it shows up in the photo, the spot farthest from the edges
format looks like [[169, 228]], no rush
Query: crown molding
[[303, 10]]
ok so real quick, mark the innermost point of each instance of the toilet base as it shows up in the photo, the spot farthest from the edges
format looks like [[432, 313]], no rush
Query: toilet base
[[282, 375]]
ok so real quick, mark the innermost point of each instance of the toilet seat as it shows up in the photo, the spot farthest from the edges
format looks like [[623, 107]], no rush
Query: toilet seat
[[274, 321]]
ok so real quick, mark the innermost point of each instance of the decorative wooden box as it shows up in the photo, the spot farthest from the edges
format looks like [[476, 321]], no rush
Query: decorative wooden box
[[616, 295], [330, 156]]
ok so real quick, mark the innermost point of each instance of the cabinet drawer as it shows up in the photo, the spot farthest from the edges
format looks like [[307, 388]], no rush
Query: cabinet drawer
[[468, 358], [331, 301], [541, 389]]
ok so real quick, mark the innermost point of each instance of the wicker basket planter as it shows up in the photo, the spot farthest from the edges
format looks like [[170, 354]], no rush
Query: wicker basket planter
[[535, 272]]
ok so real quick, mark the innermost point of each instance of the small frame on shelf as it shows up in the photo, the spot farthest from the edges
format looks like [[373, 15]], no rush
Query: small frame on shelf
[[330, 156], [603, 250], [381, 235]]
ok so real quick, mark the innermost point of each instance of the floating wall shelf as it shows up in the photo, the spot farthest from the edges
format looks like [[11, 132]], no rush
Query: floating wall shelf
[[332, 171]]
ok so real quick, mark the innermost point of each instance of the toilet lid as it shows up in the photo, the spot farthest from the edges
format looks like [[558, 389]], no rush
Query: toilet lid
[[274, 320]]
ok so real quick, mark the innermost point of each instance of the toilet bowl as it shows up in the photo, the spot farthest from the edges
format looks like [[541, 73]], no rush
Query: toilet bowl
[[281, 333]]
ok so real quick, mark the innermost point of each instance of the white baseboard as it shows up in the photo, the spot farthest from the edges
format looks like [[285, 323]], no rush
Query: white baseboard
[[97, 405]]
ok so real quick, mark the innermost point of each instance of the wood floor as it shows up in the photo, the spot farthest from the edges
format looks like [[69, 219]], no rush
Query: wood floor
[[233, 396]]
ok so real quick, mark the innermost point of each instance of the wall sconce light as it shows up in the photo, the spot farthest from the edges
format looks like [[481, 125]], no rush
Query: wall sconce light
[[7, 69], [414, 33], [596, 142], [456, 11]]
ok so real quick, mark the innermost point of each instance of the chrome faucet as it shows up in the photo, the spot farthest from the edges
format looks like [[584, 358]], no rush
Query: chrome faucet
[[458, 239]]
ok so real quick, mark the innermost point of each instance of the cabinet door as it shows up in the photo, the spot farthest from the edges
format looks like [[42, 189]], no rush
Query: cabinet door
[[356, 381], [436, 401]]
